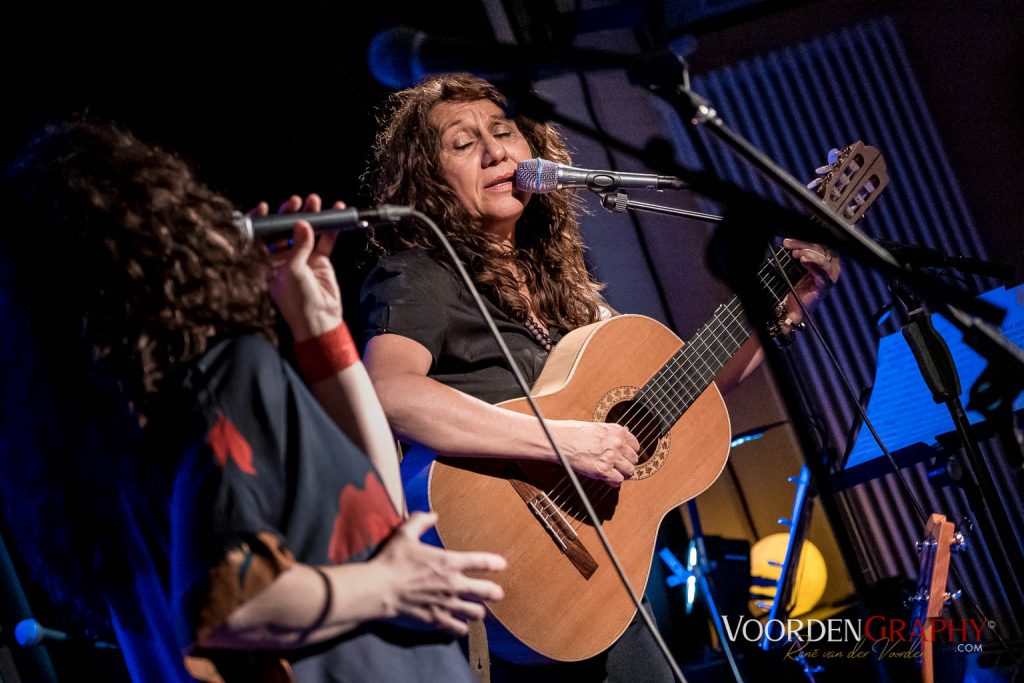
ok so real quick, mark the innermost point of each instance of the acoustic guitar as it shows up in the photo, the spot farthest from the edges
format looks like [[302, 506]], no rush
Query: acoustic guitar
[[563, 598]]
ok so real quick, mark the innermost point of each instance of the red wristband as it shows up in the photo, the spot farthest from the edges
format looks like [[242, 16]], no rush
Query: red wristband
[[327, 354]]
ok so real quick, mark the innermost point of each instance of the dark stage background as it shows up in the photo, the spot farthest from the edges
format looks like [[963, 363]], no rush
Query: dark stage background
[[268, 100]]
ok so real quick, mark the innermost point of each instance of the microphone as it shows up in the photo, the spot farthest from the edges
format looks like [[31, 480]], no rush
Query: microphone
[[925, 257], [400, 57], [540, 176], [30, 632], [278, 225]]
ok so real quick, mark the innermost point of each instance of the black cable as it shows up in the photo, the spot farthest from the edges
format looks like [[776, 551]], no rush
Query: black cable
[[591, 513]]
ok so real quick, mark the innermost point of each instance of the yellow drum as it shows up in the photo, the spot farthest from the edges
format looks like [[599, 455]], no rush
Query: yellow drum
[[811, 575]]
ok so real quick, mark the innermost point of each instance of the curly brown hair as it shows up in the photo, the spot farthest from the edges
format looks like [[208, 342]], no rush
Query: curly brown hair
[[154, 264], [549, 247], [119, 267]]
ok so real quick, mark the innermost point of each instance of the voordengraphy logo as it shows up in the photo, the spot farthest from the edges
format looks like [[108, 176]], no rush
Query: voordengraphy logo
[[776, 630], [886, 637]]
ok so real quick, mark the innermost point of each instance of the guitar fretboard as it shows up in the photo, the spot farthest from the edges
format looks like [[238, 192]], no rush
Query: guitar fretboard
[[692, 369]]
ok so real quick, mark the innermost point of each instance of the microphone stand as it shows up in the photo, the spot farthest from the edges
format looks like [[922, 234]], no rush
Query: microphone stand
[[735, 260], [978, 334]]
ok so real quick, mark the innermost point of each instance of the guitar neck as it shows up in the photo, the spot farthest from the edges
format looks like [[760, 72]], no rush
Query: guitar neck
[[692, 369]]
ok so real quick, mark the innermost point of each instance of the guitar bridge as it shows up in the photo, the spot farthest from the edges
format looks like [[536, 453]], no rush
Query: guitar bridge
[[554, 522], [552, 519]]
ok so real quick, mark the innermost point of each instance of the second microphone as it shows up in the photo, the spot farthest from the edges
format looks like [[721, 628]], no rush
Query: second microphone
[[266, 228]]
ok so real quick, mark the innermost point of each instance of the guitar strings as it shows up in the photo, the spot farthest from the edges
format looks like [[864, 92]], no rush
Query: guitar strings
[[664, 393], [668, 392], [701, 342]]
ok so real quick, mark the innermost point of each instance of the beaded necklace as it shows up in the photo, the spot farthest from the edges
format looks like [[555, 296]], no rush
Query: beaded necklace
[[540, 335]]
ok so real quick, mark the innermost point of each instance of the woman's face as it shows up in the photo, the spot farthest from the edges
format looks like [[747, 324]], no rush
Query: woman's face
[[480, 149]]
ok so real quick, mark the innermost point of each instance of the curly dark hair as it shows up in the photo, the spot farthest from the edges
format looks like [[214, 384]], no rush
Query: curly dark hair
[[549, 247], [119, 267]]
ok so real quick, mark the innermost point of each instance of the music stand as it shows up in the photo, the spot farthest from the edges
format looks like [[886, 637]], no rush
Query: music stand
[[910, 423], [912, 412]]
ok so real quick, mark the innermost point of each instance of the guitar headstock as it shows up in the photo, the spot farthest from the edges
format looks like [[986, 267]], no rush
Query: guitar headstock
[[940, 539], [852, 181]]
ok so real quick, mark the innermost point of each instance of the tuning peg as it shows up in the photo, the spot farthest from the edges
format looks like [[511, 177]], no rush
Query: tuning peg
[[922, 545], [833, 155], [959, 543], [814, 184], [950, 597], [914, 599], [784, 521]]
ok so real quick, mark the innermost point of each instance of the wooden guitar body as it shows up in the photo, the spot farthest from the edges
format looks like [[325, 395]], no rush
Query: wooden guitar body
[[551, 605]]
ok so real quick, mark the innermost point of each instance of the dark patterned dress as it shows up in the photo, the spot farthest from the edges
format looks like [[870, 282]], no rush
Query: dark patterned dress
[[268, 480]]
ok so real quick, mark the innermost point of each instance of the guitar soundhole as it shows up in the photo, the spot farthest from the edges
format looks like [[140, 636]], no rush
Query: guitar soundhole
[[646, 427], [641, 424], [618, 406]]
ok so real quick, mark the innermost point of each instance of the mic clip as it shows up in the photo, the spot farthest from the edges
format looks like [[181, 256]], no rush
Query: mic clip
[[613, 200]]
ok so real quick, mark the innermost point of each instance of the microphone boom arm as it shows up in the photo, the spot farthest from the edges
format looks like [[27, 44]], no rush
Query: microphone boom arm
[[617, 202]]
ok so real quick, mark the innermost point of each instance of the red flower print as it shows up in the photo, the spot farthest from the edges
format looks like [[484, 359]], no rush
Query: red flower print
[[226, 441], [365, 518]]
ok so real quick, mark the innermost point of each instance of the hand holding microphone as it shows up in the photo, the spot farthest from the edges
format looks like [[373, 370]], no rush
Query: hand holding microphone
[[303, 283], [269, 227]]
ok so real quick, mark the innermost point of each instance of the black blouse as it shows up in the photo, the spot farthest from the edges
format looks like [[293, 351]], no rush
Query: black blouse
[[411, 294]]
